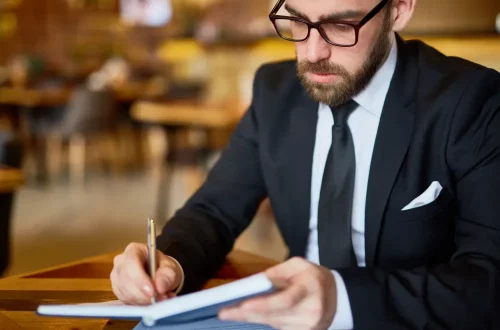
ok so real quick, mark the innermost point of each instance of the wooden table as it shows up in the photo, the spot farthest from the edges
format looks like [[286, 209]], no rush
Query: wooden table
[[10, 179], [185, 114], [26, 97], [88, 281], [175, 116], [60, 96]]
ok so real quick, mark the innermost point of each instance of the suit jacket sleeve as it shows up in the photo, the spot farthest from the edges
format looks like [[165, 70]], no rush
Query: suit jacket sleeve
[[203, 231], [463, 293]]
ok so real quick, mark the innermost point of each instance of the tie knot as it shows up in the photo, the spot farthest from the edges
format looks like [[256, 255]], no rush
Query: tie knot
[[342, 113]]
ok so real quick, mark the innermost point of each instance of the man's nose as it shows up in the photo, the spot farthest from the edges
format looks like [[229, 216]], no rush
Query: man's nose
[[317, 47]]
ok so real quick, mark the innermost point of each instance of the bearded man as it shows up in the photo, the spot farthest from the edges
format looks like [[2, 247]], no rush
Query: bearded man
[[381, 160]]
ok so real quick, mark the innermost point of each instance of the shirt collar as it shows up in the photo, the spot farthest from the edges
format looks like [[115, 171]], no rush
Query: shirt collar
[[372, 98]]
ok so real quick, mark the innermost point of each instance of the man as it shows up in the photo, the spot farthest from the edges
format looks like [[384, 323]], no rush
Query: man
[[398, 202]]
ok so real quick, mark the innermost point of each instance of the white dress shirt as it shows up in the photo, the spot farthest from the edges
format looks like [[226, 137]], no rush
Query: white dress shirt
[[363, 123]]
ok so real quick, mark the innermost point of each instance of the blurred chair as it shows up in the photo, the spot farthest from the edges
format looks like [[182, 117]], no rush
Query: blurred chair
[[10, 155], [91, 113], [171, 148]]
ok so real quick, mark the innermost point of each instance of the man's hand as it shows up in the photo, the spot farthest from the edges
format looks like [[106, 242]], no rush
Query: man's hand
[[307, 299], [132, 284]]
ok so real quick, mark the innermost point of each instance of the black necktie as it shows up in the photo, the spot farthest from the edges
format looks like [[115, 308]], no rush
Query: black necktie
[[335, 203]]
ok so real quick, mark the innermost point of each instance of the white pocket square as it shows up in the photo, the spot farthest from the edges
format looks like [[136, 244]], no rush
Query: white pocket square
[[429, 196]]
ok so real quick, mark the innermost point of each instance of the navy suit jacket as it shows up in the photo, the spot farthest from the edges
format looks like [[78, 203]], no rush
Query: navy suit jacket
[[433, 267]]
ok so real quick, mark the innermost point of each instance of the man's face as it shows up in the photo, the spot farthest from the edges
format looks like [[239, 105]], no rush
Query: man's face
[[333, 74]]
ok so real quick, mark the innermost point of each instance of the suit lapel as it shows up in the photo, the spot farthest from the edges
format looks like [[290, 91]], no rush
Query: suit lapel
[[391, 144], [304, 116]]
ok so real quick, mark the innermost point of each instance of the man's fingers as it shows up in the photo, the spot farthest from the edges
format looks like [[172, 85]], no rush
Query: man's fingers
[[292, 292], [131, 282], [137, 277], [287, 270], [279, 303], [128, 294], [276, 302], [299, 305], [114, 285], [166, 280], [168, 276], [117, 262], [161, 297]]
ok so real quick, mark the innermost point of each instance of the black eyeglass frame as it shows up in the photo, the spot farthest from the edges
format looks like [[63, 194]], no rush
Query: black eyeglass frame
[[317, 25]]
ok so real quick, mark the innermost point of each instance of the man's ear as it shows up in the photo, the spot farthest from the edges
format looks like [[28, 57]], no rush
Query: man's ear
[[402, 12]]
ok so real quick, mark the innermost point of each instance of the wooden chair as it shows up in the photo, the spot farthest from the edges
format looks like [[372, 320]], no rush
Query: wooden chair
[[89, 114], [173, 119]]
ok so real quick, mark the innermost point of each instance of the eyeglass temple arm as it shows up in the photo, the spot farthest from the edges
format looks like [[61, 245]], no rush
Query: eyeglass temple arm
[[277, 7], [373, 12]]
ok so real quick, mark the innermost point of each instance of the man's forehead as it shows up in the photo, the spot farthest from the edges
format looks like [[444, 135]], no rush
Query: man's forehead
[[314, 9]]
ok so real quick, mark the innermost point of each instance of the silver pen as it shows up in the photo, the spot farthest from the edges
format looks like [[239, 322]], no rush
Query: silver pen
[[152, 251]]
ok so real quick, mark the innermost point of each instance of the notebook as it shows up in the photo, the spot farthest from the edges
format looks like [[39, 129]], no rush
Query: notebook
[[202, 305], [206, 324]]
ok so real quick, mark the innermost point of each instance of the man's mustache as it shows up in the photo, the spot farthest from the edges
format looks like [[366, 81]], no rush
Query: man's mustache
[[322, 67]]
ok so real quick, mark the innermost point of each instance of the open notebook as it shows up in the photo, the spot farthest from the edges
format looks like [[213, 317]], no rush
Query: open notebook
[[188, 308]]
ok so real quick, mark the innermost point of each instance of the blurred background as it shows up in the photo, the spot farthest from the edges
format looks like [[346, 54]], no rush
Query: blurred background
[[113, 111]]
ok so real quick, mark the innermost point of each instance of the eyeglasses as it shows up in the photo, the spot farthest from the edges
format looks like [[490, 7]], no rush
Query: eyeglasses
[[335, 32]]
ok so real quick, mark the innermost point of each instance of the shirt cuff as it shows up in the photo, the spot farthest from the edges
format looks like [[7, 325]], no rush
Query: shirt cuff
[[343, 318], [179, 288]]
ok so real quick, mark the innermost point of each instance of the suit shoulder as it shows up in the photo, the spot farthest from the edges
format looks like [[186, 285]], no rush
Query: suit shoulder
[[446, 66], [276, 75], [279, 67], [450, 77]]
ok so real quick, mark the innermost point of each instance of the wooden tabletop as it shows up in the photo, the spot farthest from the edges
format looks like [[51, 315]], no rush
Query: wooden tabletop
[[185, 114], [88, 281], [58, 96], [10, 179], [27, 97]]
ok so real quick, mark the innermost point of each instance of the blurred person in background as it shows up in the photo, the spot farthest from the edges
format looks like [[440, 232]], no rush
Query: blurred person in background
[[381, 159], [18, 69], [117, 71], [146, 12]]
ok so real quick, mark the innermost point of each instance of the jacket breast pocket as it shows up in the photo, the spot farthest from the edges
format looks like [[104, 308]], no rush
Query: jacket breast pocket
[[441, 203]]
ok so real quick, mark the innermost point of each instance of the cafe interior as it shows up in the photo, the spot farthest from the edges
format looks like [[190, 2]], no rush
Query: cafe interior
[[114, 111]]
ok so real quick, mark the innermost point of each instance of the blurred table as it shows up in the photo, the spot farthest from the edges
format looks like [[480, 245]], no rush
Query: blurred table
[[32, 97], [134, 90], [10, 179], [175, 116], [185, 114], [88, 281]]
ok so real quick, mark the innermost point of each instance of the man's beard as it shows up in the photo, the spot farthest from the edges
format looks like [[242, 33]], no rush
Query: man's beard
[[338, 93]]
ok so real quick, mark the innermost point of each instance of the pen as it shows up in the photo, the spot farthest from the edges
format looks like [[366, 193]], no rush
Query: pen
[[152, 251]]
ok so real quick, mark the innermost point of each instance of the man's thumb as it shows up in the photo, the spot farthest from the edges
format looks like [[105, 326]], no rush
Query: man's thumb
[[166, 280], [283, 272]]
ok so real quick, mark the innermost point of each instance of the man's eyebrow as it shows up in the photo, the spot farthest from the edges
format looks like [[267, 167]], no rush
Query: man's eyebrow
[[348, 14], [295, 12]]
